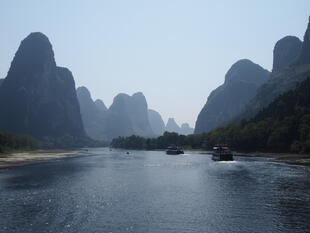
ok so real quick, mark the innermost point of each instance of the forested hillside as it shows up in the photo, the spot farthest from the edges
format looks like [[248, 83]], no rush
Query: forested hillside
[[283, 126]]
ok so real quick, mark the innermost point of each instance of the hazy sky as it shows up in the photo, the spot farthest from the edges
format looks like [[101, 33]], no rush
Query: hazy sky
[[174, 51]]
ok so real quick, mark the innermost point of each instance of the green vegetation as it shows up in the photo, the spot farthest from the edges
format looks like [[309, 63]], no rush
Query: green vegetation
[[68, 142], [284, 126], [140, 143], [9, 141]]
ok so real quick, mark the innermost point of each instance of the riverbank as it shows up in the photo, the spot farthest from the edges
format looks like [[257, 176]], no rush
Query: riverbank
[[13, 159], [289, 158], [295, 159]]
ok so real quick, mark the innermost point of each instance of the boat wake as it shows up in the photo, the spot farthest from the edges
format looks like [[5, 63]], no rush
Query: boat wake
[[228, 162]]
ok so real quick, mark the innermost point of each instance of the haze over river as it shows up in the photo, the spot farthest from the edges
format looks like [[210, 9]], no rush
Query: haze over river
[[110, 191]]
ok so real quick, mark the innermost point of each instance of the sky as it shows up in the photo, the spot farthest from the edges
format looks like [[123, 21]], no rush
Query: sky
[[174, 51]]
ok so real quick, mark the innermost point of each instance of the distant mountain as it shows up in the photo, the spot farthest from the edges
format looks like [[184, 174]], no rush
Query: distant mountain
[[241, 83], [93, 114], [172, 126], [37, 97], [1, 81], [128, 115], [157, 123], [285, 77], [186, 129], [101, 106]]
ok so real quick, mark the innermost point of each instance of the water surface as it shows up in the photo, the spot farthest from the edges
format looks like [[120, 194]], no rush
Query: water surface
[[110, 191]]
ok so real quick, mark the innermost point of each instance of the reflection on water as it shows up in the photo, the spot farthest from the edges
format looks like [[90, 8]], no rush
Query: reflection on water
[[112, 191]]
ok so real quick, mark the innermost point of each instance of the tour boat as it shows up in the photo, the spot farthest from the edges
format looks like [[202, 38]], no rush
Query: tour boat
[[222, 153], [174, 150]]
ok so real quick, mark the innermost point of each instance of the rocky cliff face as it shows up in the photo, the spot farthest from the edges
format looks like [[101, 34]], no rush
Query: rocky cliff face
[[156, 122], [285, 52], [281, 80], [37, 97], [304, 57], [241, 83], [128, 115], [93, 114]]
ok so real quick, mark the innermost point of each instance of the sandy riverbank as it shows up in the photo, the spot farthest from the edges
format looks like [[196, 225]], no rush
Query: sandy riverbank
[[14, 159]]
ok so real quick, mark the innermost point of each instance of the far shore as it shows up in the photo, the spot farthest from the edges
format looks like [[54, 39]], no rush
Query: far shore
[[289, 158], [14, 159], [20, 158]]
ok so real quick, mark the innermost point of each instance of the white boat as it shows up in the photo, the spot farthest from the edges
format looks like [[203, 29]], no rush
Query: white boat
[[222, 153]]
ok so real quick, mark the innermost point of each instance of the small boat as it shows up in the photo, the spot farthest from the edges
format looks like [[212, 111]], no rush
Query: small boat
[[174, 150], [222, 153]]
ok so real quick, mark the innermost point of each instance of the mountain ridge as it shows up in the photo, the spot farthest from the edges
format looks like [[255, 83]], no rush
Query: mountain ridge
[[226, 101], [37, 97], [297, 70], [93, 116]]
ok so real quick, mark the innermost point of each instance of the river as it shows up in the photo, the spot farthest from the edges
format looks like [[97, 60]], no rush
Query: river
[[144, 191]]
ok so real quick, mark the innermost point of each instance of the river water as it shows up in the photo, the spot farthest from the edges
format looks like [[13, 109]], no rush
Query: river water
[[110, 191]]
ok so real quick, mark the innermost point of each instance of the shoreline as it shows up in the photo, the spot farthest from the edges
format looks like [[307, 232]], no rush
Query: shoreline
[[289, 158], [21, 158]]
